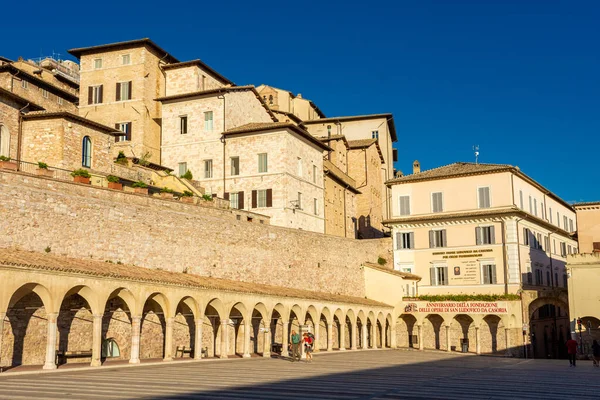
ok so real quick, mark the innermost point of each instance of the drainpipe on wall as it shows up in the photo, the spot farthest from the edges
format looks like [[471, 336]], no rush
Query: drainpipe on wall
[[223, 140]]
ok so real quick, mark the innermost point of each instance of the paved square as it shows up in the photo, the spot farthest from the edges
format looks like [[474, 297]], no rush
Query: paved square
[[387, 374]]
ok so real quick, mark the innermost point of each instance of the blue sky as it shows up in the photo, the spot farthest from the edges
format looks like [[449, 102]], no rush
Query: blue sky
[[519, 78]]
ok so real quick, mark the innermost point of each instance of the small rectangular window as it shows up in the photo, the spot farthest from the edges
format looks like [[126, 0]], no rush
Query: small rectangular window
[[208, 169], [439, 275], [539, 277], [405, 240], [182, 169], [485, 235], [97, 63], [530, 205], [535, 207], [262, 163], [526, 236], [123, 91], [208, 121], [234, 200], [565, 222], [126, 59], [521, 199], [314, 174], [235, 166], [437, 202], [316, 206], [95, 94], [437, 238], [375, 135], [59, 100], [299, 162], [404, 205], [262, 198], [563, 249], [550, 214], [24, 84], [484, 197], [45, 93], [124, 127], [183, 124], [571, 225], [488, 274]]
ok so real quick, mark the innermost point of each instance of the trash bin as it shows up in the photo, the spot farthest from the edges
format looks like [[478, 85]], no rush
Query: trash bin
[[464, 344]]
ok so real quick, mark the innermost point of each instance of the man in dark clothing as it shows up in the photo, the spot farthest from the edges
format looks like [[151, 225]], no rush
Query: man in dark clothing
[[295, 346], [572, 350]]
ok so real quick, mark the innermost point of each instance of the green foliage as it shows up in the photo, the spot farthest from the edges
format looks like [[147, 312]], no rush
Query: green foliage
[[207, 197], [381, 261], [188, 175], [139, 184], [468, 297], [81, 172], [4, 158], [42, 165], [144, 159], [112, 179], [121, 159], [166, 190], [187, 193], [47, 249]]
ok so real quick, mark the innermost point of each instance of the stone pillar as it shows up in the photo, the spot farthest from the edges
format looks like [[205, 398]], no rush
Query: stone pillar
[[343, 336], [448, 338], [316, 346], [353, 336], [136, 325], [51, 341], [421, 344], [477, 341], [97, 341], [365, 341], [301, 330], [224, 334], [198, 339], [285, 338], [393, 339], [267, 344], [329, 337], [2, 316], [373, 337], [168, 339], [247, 330], [507, 338]]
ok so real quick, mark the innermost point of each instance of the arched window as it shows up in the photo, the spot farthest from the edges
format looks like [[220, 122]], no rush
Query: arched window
[[110, 348], [86, 152], [4, 141]]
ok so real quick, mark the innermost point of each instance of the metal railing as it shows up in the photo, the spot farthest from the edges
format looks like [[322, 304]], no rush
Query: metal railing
[[32, 168]]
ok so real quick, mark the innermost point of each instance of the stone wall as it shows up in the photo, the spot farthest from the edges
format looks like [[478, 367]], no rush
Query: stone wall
[[9, 120], [49, 99], [81, 221], [189, 79]]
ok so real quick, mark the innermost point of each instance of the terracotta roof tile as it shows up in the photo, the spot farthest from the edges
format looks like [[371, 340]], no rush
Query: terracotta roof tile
[[404, 275], [269, 126], [452, 170], [355, 144], [49, 262]]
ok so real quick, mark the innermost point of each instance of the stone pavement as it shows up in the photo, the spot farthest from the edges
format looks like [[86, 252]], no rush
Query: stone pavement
[[386, 374]]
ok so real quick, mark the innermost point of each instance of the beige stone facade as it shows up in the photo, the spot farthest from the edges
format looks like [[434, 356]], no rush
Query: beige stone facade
[[285, 101], [192, 76], [588, 226], [584, 280]]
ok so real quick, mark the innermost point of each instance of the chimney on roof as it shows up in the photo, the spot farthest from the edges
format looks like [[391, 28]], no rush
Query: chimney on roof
[[416, 167], [398, 174], [299, 95]]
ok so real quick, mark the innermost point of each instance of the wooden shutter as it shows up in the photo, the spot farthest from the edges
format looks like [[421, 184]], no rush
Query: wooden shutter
[[431, 239], [443, 238], [432, 275], [241, 200], [129, 130], [411, 237], [90, 95], [118, 98], [477, 235], [130, 90], [226, 196], [486, 274], [445, 270], [269, 197], [398, 241], [492, 235], [254, 195], [100, 94]]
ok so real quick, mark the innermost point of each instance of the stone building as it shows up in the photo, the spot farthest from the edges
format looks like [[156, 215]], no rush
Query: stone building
[[486, 229], [285, 101], [119, 84], [588, 226]]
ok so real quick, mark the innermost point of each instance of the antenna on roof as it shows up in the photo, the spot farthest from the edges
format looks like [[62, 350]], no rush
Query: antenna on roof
[[476, 150]]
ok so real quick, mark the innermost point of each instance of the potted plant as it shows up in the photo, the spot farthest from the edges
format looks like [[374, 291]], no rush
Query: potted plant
[[114, 182], [188, 197], [42, 170], [166, 193], [140, 187], [121, 159], [81, 176], [7, 164], [188, 175]]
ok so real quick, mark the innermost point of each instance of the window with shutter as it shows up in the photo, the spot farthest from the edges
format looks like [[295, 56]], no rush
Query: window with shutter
[[124, 127], [182, 168], [571, 225], [526, 236], [398, 241], [530, 205], [535, 207], [478, 235], [437, 238], [521, 199], [550, 214], [118, 92], [404, 205], [488, 274], [208, 121], [565, 223], [262, 163], [235, 166], [484, 197], [208, 169], [183, 124], [241, 200], [269, 197], [437, 202], [262, 198], [95, 94], [254, 199]]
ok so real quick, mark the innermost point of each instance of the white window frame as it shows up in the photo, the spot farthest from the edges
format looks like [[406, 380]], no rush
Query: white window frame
[[405, 267], [96, 94], [489, 193], [481, 239], [208, 168], [432, 203], [411, 246], [400, 205], [181, 119], [261, 198], [436, 266], [44, 93], [264, 156], [234, 200], [123, 85], [59, 100], [208, 122], [96, 60], [123, 125], [24, 84], [375, 134], [128, 55], [482, 264], [232, 166], [299, 162], [184, 165]]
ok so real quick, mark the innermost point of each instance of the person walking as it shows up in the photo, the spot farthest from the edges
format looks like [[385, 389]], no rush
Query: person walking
[[295, 339], [572, 350], [596, 353], [308, 346]]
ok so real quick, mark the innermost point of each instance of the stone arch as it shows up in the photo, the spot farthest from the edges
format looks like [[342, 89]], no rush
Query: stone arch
[[389, 331], [214, 312], [590, 331], [371, 330], [432, 332], [492, 335], [462, 330], [296, 318], [324, 334], [279, 319], [184, 326], [361, 324], [260, 341], [26, 326], [155, 311], [4, 141], [75, 322], [549, 327], [407, 331], [340, 329], [351, 334], [119, 307], [380, 331], [237, 328], [88, 294]]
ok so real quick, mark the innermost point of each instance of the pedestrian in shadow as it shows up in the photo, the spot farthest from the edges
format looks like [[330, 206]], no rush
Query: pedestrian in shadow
[[572, 350]]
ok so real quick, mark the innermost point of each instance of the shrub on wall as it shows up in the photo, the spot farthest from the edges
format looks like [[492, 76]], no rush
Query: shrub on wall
[[467, 297], [112, 178], [381, 261], [188, 175], [42, 165], [81, 172], [139, 184]]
